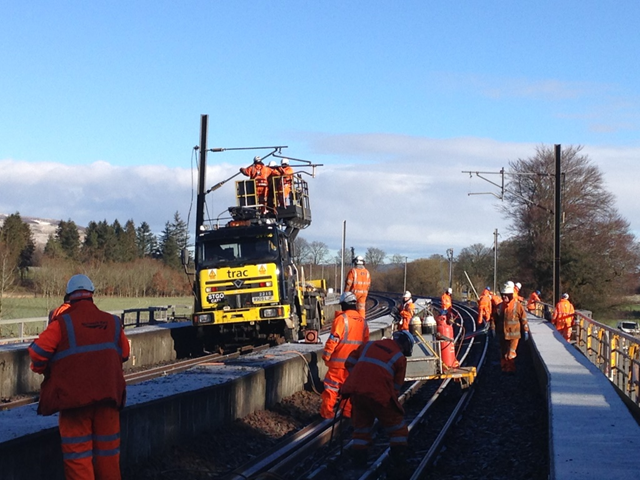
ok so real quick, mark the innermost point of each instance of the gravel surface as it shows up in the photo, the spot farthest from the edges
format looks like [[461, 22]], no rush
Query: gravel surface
[[214, 454], [503, 434]]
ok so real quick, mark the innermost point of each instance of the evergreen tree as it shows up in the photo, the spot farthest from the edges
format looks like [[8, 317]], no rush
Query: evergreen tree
[[146, 241], [69, 238], [18, 243]]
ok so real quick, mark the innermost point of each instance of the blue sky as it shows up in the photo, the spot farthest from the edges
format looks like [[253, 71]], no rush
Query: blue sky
[[100, 106]]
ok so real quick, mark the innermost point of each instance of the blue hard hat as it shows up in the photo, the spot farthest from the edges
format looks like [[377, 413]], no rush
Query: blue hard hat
[[537, 292]]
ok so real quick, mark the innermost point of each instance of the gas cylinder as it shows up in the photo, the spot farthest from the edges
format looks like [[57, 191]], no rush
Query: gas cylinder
[[429, 325], [447, 348], [415, 325]]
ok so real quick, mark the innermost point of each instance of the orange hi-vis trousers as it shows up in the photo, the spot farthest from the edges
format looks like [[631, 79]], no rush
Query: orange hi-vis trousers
[[333, 380], [365, 411], [91, 442]]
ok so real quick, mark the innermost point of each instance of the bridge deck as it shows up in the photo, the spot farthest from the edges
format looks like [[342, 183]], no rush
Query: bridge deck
[[592, 434]]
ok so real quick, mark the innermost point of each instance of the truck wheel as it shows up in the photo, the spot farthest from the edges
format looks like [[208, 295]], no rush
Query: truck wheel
[[292, 334]]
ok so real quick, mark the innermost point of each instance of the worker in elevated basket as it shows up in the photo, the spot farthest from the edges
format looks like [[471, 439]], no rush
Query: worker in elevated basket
[[348, 331], [445, 301], [406, 311], [287, 180], [358, 281], [80, 354], [377, 372], [259, 172], [563, 317], [509, 321]]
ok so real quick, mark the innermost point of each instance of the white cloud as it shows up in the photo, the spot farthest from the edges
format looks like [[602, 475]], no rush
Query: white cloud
[[405, 195]]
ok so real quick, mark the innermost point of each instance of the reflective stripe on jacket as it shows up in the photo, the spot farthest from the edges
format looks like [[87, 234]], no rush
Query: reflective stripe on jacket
[[377, 370], [348, 331], [81, 355], [358, 280], [510, 318]]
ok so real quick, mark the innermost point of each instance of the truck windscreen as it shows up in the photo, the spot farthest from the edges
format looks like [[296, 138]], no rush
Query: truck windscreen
[[238, 251]]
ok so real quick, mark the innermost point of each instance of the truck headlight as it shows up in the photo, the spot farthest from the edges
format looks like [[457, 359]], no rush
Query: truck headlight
[[203, 318]]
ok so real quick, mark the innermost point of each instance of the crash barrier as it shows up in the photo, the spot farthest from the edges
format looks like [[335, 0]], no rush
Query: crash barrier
[[21, 329], [152, 315], [615, 353]]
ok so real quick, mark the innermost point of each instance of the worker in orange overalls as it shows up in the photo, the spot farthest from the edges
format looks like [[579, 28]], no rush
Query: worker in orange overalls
[[287, 180], [59, 310], [406, 311], [358, 281], [80, 354], [532, 303], [260, 173], [508, 321], [377, 371], [348, 331], [445, 300], [516, 292], [484, 307], [563, 316]]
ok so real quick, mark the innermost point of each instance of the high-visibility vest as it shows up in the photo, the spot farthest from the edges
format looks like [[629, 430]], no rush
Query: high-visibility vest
[[358, 281], [377, 370], [348, 331], [86, 366]]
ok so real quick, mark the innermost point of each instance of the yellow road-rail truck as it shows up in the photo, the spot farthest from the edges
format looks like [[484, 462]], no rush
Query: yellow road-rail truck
[[247, 285]]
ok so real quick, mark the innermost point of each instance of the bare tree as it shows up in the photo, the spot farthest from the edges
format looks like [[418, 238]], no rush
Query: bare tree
[[374, 257], [318, 252], [599, 253], [301, 250]]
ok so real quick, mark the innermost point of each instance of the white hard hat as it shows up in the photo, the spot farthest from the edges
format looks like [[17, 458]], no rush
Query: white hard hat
[[510, 283], [519, 285], [407, 294], [348, 297], [359, 260], [508, 288], [449, 290], [79, 282], [565, 295], [257, 159], [284, 161], [273, 163]]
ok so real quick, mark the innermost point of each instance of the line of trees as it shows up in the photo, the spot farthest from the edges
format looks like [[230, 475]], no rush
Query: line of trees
[[121, 260]]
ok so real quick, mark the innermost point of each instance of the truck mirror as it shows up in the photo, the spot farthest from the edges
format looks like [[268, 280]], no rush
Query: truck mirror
[[184, 255]]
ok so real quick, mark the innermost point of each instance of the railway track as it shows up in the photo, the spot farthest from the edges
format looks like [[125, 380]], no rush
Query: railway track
[[320, 451]]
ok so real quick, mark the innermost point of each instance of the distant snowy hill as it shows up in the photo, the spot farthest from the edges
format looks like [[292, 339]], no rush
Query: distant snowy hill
[[41, 228]]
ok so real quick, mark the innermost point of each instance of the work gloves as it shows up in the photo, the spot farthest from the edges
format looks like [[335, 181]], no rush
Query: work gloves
[[526, 336]]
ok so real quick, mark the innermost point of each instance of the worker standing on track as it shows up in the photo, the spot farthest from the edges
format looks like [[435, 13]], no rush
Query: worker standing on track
[[377, 375], [516, 292], [80, 354], [509, 320], [348, 331], [260, 173], [445, 300], [358, 281], [484, 307], [532, 303], [563, 317], [406, 311]]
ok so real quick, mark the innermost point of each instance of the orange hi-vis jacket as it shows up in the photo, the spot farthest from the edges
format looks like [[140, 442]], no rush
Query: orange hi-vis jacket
[[533, 301], [377, 370], [259, 172], [81, 355], [563, 314], [484, 305], [348, 331], [510, 319], [445, 299], [56, 312], [358, 281], [406, 314]]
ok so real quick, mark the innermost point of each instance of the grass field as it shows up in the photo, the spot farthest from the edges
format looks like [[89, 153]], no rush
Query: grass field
[[29, 307]]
